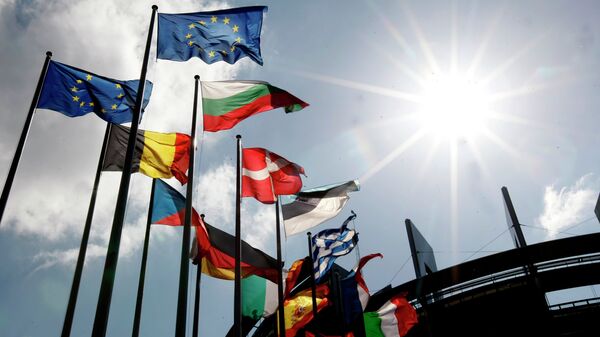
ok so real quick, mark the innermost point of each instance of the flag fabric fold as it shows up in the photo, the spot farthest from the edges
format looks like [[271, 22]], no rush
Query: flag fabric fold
[[312, 207], [157, 155], [355, 292], [266, 175], [74, 92], [226, 103], [224, 35], [329, 244], [215, 247], [394, 319]]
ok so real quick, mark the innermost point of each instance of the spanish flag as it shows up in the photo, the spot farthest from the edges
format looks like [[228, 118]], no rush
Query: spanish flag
[[157, 155]]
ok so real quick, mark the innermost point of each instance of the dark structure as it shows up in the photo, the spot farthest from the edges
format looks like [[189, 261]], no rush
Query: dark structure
[[501, 295]]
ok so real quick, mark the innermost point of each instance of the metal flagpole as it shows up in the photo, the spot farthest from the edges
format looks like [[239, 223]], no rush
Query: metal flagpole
[[140, 292], [279, 272], [68, 323], [17, 157], [112, 254], [197, 296], [237, 304], [185, 243], [313, 283]]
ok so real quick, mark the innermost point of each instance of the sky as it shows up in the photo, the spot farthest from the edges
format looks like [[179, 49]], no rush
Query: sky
[[433, 106]]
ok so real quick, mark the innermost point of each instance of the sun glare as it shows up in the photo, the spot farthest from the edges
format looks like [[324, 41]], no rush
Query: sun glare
[[453, 106]]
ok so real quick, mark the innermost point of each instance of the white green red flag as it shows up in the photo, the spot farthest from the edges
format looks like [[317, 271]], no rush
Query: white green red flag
[[265, 175], [393, 319], [226, 103]]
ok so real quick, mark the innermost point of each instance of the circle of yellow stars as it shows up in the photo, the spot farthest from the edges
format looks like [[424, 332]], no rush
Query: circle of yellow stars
[[214, 20], [82, 104]]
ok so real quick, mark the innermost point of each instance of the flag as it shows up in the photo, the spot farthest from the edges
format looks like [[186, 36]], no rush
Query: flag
[[259, 297], [329, 244], [355, 292], [312, 207], [224, 35], [393, 319], [291, 279], [74, 92], [265, 175], [298, 309], [226, 103], [157, 155], [215, 247]]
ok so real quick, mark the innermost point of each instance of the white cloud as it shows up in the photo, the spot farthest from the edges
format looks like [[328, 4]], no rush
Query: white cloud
[[569, 205]]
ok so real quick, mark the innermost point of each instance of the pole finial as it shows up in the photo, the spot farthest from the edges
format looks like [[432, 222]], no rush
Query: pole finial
[[238, 136], [49, 53], [308, 234], [197, 77], [202, 216], [154, 7]]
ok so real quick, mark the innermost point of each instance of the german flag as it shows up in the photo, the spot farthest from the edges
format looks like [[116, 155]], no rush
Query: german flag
[[215, 247], [157, 155]]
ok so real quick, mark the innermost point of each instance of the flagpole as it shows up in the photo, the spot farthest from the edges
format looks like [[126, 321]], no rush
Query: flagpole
[[237, 305], [68, 323], [112, 254], [140, 292], [17, 157], [281, 314], [185, 243], [313, 283], [197, 296]]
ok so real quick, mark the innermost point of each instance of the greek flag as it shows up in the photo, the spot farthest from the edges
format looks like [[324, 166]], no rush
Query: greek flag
[[328, 244]]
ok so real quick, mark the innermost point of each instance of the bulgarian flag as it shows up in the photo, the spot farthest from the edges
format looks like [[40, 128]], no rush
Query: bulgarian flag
[[226, 103], [393, 319], [265, 175]]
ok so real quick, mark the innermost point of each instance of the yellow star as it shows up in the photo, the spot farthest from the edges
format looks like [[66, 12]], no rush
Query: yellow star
[[191, 26], [211, 53], [74, 89], [188, 36], [238, 40], [114, 107], [213, 19], [81, 104], [79, 81], [226, 20], [91, 104], [236, 28], [232, 48], [75, 98], [118, 86], [88, 77], [191, 43], [103, 110], [202, 23], [120, 95]]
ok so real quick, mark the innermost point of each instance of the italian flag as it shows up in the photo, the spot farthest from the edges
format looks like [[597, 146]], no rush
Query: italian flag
[[226, 103], [393, 319], [259, 297]]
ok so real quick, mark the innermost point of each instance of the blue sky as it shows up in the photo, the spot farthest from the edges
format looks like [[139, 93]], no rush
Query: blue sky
[[370, 70]]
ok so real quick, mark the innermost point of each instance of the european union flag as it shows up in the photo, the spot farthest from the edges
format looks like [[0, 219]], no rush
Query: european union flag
[[75, 92], [226, 35]]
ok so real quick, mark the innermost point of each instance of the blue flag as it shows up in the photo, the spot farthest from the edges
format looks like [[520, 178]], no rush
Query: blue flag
[[224, 35], [75, 92], [329, 244]]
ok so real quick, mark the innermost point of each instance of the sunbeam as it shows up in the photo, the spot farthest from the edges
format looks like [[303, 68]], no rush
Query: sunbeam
[[392, 155]]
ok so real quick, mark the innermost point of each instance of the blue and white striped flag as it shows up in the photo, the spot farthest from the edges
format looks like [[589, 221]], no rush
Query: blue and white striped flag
[[328, 244]]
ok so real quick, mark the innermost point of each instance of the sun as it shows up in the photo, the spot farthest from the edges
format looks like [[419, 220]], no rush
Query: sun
[[453, 106]]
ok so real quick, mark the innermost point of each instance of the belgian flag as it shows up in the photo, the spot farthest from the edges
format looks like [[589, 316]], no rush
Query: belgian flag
[[157, 155]]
